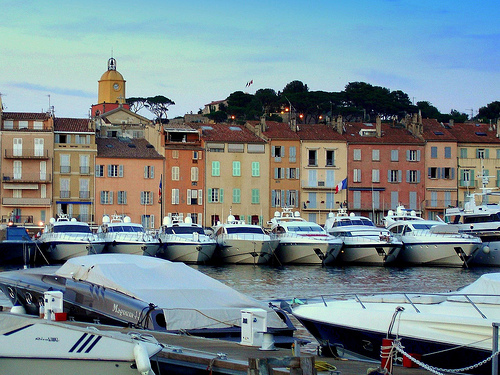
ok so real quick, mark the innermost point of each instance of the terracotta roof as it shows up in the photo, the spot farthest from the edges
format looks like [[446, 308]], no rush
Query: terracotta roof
[[24, 116], [277, 130], [137, 148], [80, 125], [474, 133], [226, 133], [390, 134], [435, 131], [318, 132]]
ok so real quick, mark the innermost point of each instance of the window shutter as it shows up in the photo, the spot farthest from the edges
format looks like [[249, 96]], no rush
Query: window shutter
[[273, 151], [418, 176], [388, 175], [102, 197], [418, 155], [429, 172], [109, 170], [282, 196], [407, 155], [110, 197], [209, 199], [145, 171], [440, 172], [273, 198], [452, 173], [276, 173], [487, 153], [152, 172], [407, 176], [188, 195], [120, 171], [400, 175], [221, 195], [282, 151]]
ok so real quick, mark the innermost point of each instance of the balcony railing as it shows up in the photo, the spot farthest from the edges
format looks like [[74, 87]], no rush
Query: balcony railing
[[17, 219], [85, 170], [65, 169], [24, 153], [439, 204], [27, 177], [84, 194], [64, 194]]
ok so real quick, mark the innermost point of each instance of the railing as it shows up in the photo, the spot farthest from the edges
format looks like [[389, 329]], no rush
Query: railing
[[84, 194], [430, 204], [25, 202], [64, 194], [65, 169], [26, 154], [27, 177], [85, 170], [17, 219]]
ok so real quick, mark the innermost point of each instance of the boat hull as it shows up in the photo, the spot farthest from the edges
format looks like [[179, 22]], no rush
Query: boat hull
[[244, 251], [61, 251], [369, 254], [15, 252], [188, 252], [320, 252], [454, 254], [136, 248]]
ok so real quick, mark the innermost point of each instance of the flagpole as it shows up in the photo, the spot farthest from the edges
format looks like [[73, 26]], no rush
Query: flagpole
[[161, 200]]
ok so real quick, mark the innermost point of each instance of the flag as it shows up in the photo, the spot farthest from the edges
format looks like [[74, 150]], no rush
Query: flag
[[249, 83], [159, 191], [341, 185]]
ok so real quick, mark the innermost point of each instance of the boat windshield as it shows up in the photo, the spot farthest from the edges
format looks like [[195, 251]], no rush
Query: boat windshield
[[17, 233], [238, 230], [357, 221], [125, 228], [306, 228], [184, 230], [419, 226], [68, 228], [482, 219]]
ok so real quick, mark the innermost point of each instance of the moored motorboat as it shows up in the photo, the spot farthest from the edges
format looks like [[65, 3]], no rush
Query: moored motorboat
[[301, 241], [364, 243], [30, 345], [448, 330], [64, 238], [241, 243], [185, 241], [431, 242], [16, 245], [120, 235], [143, 292]]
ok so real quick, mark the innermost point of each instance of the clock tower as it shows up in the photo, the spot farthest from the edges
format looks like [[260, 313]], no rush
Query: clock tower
[[111, 85]]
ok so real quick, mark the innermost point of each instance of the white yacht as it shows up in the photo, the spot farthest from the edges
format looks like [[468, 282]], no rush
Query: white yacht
[[123, 236], [448, 330], [364, 243], [301, 241], [185, 241], [431, 242], [64, 238], [238, 242], [30, 345]]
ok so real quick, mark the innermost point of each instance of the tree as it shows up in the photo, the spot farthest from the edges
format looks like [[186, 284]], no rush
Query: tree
[[136, 104], [295, 87], [268, 100], [158, 105], [428, 110], [490, 112]]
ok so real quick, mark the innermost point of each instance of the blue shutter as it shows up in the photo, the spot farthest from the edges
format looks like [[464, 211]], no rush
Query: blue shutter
[[120, 171], [209, 198], [221, 195], [273, 198]]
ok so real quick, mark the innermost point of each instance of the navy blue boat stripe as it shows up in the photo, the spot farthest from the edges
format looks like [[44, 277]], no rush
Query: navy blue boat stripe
[[85, 343], [93, 344], [78, 342], [17, 330]]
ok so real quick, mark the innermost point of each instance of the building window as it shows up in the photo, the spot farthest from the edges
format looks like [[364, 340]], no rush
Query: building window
[[394, 175], [330, 158], [149, 171], [106, 197], [121, 197], [356, 199], [278, 152], [146, 197], [312, 160], [413, 176], [481, 153], [293, 173], [276, 197], [236, 168], [375, 175], [194, 174], [84, 188], [433, 172], [84, 164], [216, 147], [235, 147], [413, 155], [375, 155], [434, 152], [175, 173], [194, 196], [115, 170], [292, 154], [65, 166], [394, 155], [463, 153], [356, 175], [279, 173], [448, 173], [99, 170], [447, 152], [175, 154], [255, 169], [64, 191], [467, 177], [196, 155], [256, 149], [292, 198], [215, 195], [356, 154], [215, 168], [236, 196], [175, 196], [255, 196]]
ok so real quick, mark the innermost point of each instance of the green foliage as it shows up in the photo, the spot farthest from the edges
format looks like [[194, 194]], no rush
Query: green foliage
[[490, 112], [157, 105]]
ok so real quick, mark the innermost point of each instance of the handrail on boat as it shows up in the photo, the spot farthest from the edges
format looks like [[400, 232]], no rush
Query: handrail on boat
[[358, 298]]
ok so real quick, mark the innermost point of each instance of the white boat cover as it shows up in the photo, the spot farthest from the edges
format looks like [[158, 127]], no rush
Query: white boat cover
[[190, 299], [486, 290]]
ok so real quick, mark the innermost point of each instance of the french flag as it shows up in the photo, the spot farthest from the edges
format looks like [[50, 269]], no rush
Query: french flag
[[341, 185]]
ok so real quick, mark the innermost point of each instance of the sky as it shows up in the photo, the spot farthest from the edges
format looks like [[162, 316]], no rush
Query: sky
[[194, 52]]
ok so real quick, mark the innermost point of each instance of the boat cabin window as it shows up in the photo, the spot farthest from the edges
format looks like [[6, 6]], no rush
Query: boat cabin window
[[422, 226], [306, 228], [184, 230], [71, 229], [482, 219], [357, 221], [239, 230], [125, 228], [397, 229]]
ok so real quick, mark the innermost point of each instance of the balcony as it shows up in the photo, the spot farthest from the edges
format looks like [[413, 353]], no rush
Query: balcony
[[23, 219], [26, 202], [26, 154], [64, 194], [84, 170], [27, 178], [439, 204], [65, 169], [84, 194]]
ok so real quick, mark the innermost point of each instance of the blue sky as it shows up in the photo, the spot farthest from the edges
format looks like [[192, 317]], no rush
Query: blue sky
[[193, 52]]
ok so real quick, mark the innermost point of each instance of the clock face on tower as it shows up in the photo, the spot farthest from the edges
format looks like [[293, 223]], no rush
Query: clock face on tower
[[116, 86]]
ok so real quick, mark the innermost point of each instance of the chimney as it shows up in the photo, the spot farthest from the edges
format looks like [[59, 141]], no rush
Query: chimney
[[263, 126], [378, 126], [339, 124], [451, 122], [498, 128], [293, 125]]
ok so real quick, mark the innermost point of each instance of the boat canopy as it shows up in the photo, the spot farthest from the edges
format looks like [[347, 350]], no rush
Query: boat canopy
[[189, 298], [486, 290]]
